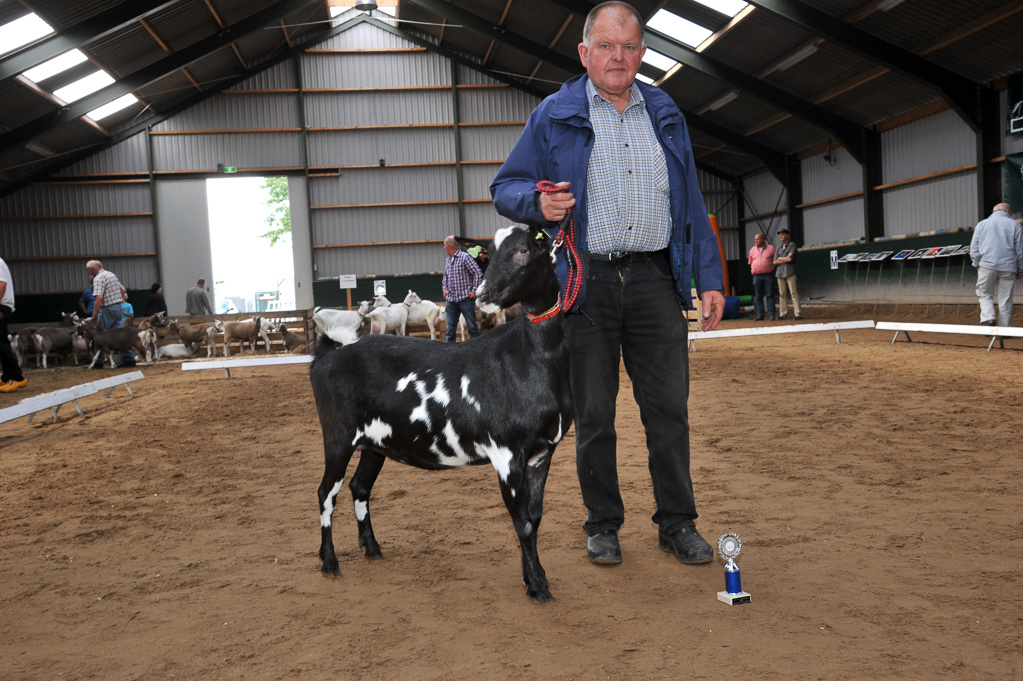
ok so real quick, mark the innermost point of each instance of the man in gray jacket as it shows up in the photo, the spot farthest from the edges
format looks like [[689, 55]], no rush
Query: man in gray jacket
[[785, 270], [997, 253], [196, 300]]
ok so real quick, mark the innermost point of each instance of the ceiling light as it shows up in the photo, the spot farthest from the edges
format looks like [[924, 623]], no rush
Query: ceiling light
[[84, 86], [112, 107], [658, 60], [366, 5], [886, 5], [39, 149], [22, 31], [727, 7], [58, 64], [722, 100], [674, 26], [796, 57]]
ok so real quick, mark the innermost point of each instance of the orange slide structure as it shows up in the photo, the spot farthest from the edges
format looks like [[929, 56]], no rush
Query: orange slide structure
[[721, 249]]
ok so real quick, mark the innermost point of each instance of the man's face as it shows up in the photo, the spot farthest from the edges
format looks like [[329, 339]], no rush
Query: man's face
[[450, 249], [615, 52], [759, 240], [784, 236]]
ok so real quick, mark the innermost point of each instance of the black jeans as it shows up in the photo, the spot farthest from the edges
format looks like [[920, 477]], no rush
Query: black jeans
[[636, 316], [11, 368]]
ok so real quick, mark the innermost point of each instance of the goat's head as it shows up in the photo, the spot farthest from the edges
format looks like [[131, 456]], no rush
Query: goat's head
[[412, 298], [365, 306], [520, 267]]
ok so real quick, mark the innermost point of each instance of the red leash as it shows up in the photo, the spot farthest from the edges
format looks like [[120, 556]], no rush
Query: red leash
[[566, 237]]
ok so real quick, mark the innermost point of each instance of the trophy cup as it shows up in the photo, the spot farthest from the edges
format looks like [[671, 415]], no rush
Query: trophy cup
[[730, 546]]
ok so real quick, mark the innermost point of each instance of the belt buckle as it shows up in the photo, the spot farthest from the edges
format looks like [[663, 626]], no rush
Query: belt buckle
[[615, 257]]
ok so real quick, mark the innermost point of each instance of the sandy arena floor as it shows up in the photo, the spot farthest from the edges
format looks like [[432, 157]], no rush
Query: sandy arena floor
[[876, 488]]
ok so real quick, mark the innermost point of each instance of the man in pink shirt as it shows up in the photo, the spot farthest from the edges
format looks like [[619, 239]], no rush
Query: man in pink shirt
[[761, 264]]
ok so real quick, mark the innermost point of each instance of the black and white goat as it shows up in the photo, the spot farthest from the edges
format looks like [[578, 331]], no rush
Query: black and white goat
[[502, 399]]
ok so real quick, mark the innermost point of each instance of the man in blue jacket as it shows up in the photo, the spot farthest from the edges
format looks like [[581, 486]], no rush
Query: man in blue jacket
[[620, 156]]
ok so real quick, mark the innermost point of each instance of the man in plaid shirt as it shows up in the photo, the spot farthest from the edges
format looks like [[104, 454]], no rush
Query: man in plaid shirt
[[462, 276], [107, 313]]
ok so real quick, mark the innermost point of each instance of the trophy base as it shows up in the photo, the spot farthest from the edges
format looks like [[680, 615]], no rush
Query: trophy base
[[733, 599]]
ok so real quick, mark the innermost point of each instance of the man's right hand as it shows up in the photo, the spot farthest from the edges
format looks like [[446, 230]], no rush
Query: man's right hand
[[555, 206]]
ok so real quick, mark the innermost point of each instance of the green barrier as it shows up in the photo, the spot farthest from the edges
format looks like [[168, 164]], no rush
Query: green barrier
[[745, 300]]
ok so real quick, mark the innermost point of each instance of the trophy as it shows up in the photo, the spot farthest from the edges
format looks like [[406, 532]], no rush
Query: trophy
[[730, 546]]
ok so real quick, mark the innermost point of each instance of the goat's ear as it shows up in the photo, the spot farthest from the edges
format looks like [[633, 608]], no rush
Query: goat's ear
[[538, 234]]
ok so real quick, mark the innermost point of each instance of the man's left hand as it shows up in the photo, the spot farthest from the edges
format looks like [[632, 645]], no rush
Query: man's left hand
[[713, 309]]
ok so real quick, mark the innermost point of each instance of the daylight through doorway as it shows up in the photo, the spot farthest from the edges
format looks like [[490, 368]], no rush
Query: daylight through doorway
[[249, 274]]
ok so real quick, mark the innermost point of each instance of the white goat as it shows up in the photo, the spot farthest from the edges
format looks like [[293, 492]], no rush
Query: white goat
[[423, 312], [341, 326], [392, 317]]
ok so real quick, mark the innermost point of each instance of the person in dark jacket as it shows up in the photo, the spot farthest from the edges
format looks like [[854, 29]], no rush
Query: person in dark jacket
[[156, 302], [617, 154]]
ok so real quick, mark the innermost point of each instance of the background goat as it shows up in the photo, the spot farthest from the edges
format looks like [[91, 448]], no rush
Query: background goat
[[195, 336], [246, 331], [502, 399], [341, 326], [293, 342]]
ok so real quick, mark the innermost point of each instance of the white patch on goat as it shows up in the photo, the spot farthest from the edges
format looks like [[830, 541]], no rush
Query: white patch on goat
[[403, 383], [361, 508], [376, 430], [467, 397], [538, 458], [503, 234], [500, 457], [460, 458], [328, 503], [439, 394], [557, 438]]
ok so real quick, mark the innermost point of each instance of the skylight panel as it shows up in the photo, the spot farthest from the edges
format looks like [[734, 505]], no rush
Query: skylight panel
[[84, 87], [682, 30], [22, 31], [112, 107], [727, 7], [54, 66], [658, 60], [646, 79]]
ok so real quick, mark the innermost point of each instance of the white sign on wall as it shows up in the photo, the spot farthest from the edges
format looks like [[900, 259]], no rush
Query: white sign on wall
[[347, 280], [834, 260], [380, 287]]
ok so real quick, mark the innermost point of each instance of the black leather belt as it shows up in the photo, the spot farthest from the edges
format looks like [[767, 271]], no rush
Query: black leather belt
[[626, 257]]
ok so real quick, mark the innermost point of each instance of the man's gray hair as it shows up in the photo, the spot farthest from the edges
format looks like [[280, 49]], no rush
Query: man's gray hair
[[591, 18], [1004, 207], [93, 263]]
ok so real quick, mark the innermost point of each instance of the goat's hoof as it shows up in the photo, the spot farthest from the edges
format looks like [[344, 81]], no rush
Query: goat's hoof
[[541, 596], [330, 571]]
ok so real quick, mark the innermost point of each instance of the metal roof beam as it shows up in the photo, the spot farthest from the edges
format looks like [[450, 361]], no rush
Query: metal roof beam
[[56, 119], [774, 160], [961, 93], [500, 34], [847, 132], [78, 35]]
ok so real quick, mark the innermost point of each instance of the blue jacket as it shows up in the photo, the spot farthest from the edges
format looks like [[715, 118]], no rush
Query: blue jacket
[[556, 146]]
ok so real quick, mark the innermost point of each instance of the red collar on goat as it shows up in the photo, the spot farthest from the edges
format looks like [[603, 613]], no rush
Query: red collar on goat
[[554, 310]]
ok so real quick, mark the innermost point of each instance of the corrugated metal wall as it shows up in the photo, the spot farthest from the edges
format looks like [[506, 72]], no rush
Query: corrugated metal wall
[[934, 144], [764, 194]]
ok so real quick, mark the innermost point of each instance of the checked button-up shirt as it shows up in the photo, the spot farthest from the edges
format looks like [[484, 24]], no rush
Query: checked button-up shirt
[[461, 276]]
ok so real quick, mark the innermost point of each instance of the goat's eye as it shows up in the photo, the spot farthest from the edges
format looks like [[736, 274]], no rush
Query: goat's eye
[[523, 250]]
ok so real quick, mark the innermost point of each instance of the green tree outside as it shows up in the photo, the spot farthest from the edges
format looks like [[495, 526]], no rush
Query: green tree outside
[[280, 219]]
